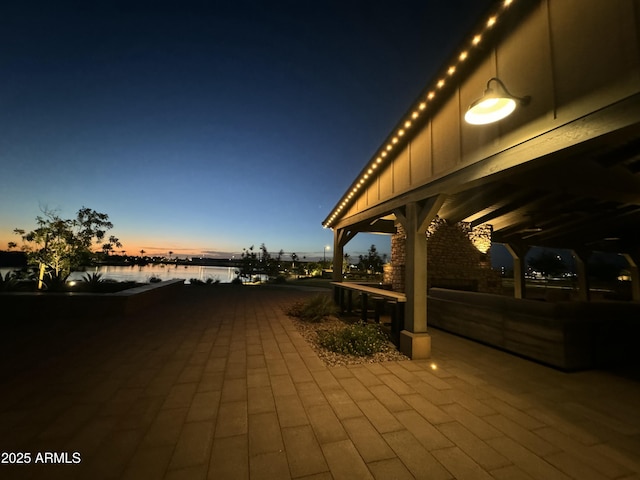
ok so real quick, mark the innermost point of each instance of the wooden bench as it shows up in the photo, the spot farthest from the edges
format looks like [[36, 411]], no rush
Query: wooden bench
[[343, 296]]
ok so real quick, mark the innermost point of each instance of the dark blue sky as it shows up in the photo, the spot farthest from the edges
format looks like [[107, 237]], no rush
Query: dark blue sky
[[206, 127]]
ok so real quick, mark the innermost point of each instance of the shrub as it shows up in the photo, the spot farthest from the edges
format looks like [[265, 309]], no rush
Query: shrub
[[92, 278], [155, 279], [315, 309], [56, 282], [358, 339], [9, 282]]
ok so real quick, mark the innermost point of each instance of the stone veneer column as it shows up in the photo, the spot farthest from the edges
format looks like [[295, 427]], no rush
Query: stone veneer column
[[398, 258], [458, 256]]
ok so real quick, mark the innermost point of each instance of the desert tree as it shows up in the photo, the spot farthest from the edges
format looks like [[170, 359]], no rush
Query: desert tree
[[59, 245], [111, 245], [372, 262]]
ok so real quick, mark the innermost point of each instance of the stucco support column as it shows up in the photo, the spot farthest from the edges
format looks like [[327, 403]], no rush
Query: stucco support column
[[581, 257], [634, 260], [518, 253], [415, 217]]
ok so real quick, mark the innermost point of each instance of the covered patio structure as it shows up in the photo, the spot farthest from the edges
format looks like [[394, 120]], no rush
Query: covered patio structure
[[562, 171]]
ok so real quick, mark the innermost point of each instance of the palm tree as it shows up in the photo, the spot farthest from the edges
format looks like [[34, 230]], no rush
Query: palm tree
[[106, 248], [142, 252]]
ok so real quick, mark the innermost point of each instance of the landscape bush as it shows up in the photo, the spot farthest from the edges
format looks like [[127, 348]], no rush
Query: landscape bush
[[315, 309], [9, 282], [92, 279], [357, 339]]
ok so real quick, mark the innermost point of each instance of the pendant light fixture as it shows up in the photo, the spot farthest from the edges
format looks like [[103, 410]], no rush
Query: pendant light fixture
[[494, 105]]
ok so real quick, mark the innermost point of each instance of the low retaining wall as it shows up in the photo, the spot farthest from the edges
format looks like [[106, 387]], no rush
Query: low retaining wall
[[32, 305], [36, 327], [566, 335]]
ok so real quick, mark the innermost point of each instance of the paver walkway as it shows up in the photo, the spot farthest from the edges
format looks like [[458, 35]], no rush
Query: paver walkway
[[219, 385]]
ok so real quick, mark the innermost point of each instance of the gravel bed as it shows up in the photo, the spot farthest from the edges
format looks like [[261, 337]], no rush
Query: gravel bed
[[309, 332]]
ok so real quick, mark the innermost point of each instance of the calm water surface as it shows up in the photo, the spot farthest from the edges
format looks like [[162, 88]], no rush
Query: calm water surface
[[142, 274]]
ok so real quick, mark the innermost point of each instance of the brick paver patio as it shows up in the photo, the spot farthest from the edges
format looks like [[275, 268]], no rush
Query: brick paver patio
[[218, 384]]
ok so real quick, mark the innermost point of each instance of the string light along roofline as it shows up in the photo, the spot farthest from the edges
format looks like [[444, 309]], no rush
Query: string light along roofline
[[417, 112]]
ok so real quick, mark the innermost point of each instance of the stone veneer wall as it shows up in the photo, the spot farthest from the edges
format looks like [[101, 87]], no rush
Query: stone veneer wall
[[453, 258]]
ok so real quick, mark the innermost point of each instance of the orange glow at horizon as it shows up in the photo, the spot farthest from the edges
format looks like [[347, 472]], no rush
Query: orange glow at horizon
[[133, 248]]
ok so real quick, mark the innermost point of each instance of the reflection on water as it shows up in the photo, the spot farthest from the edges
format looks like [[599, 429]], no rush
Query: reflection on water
[[142, 274]]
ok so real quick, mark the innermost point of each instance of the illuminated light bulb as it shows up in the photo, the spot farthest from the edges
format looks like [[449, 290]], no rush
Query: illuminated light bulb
[[407, 124], [434, 366], [490, 110], [491, 22], [414, 115], [451, 70], [394, 140], [507, 2], [495, 104], [389, 147], [431, 95], [463, 56], [440, 83], [370, 171], [383, 154], [374, 166], [366, 175], [476, 39], [400, 132]]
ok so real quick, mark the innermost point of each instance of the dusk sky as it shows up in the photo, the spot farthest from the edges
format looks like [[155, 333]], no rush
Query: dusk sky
[[207, 127]]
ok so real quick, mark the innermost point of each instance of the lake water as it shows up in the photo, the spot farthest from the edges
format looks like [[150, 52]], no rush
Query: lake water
[[142, 274]]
